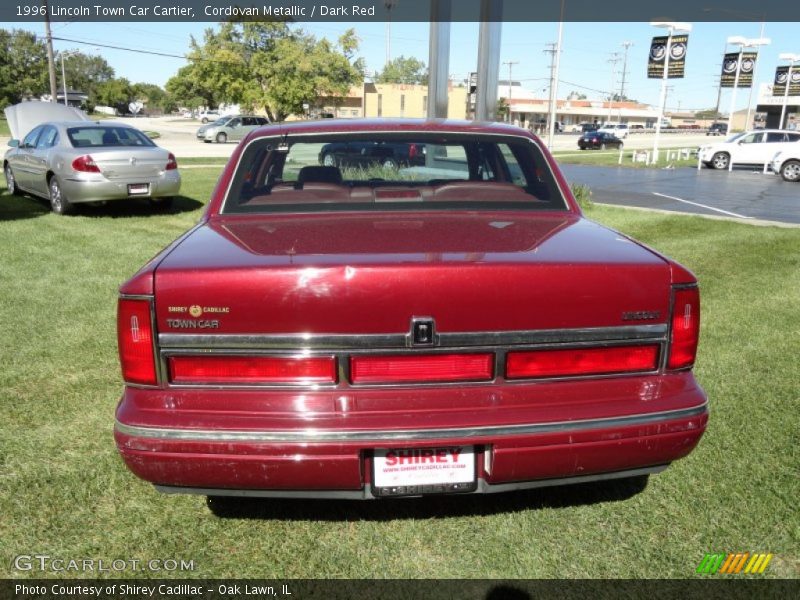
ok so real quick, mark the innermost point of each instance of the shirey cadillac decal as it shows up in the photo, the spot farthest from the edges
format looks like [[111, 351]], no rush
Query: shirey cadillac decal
[[781, 76], [677, 56], [196, 311], [746, 68]]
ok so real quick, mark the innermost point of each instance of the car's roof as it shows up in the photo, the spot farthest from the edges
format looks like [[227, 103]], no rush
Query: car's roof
[[390, 125]]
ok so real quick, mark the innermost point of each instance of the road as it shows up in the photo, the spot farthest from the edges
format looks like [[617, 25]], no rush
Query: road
[[744, 194]]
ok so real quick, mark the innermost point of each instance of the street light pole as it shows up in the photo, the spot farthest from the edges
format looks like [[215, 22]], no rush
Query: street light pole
[[755, 68], [742, 43], [735, 86], [64, 79], [792, 58], [671, 28]]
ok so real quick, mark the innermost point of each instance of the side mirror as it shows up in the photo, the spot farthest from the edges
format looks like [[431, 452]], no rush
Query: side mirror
[[13, 143]]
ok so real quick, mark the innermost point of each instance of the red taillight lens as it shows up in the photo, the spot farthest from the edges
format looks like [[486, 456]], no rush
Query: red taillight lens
[[414, 368], [172, 163], [685, 328], [252, 369], [135, 339], [85, 164], [581, 361], [412, 151]]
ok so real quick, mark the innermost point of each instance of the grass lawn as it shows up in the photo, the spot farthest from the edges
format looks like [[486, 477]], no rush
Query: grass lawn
[[610, 158], [66, 493], [4, 130]]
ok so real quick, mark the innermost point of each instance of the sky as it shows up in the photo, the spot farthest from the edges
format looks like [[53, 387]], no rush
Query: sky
[[585, 66]]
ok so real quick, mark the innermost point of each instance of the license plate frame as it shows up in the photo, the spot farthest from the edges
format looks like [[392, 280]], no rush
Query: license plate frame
[[138, 189], [423, 471]]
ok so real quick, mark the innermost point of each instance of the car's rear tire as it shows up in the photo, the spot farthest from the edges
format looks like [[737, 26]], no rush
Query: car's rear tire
[[221, 137], [721, 160], [204, 120], [11, 182], [790, 170], [59, 203], [328, 160], [389, 163]]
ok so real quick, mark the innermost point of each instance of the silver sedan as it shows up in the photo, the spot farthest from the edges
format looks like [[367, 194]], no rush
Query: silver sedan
[[69, 162]]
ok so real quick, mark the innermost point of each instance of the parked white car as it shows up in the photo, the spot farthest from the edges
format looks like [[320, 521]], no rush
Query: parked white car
[[748, 148], [206, 116], [787, 163], [619, 130]]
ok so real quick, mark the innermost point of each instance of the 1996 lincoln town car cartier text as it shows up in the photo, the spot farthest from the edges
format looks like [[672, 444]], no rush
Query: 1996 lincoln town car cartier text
[[444, 325]]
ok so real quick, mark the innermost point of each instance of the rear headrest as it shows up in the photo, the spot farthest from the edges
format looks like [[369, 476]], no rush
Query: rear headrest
[[109, 138], [319, 175]]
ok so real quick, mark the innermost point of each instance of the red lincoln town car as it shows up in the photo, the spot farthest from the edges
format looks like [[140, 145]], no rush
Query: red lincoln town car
[[350, 329]]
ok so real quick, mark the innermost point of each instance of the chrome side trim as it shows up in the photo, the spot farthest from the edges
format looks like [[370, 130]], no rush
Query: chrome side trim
[[655, 332], [311, 435], [366, 492]]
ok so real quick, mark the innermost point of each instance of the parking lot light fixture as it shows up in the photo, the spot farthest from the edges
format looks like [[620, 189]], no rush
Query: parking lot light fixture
[[742, 42], [672, 28], [792, 58]]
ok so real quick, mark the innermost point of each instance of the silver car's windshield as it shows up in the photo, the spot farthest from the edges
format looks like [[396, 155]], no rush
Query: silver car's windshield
[[106, 136]]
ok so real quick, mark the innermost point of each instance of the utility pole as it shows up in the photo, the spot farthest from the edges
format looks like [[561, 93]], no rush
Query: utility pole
[[554, 82], [388, 5], [552, 49], [510, 64], [613, 60], [625, 45], [750, 95], [51, 66]]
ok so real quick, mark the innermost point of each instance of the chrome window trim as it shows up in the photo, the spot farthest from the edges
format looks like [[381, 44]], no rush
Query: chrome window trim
[[281, 134], [312, 435]]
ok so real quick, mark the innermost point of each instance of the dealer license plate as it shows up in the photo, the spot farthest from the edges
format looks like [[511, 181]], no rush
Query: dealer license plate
[[415, 471], [138, 189]]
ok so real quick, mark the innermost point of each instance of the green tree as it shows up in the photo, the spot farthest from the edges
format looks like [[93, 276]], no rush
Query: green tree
[[266, 65], [403, 70], [113, 92], [23, 67], [709, 113], [153, 97]]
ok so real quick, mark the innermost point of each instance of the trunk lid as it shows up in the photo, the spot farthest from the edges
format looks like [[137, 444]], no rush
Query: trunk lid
[[362, 274], [130, 163]]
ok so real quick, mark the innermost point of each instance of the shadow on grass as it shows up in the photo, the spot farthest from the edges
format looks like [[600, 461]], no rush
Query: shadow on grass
[[426, 508], [28, 207], [120, 209], [14, 208]]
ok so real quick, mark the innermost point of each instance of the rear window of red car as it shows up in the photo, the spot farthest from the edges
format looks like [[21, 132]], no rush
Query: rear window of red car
[[396, 171]]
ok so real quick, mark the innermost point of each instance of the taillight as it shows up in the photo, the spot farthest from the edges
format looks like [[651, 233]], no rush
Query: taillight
[[685, 328], [412, 151], [581, 361], [233, 369], [172, 163], [135, 339], [85, 164], [421, 369]]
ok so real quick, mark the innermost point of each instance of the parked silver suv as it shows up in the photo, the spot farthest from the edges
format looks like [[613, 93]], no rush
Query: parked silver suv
[[233, 128]]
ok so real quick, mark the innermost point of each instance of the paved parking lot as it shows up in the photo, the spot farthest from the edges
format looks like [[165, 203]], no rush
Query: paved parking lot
[[742, 193]]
